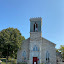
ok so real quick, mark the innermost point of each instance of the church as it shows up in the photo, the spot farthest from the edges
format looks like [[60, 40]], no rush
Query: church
[[36, 49]]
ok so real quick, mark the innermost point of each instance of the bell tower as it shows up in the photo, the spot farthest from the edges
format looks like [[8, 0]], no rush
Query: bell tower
[[35, 28]]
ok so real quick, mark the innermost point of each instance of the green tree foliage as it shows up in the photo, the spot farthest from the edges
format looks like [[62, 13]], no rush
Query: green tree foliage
[[10, 41], [57, 50], [61, 50]]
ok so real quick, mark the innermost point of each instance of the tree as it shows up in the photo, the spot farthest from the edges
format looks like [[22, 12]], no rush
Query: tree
[[57, 50], [62, 51], [10, 40]]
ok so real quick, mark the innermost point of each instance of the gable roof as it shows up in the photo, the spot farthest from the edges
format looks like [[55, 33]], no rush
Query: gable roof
[[26, 40], [49, 41], [42, 39]]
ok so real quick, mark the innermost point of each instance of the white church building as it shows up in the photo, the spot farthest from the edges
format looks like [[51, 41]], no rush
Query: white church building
[[36, 49]]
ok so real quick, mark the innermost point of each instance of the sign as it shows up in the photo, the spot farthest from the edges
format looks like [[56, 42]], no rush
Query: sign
[[34, 62]]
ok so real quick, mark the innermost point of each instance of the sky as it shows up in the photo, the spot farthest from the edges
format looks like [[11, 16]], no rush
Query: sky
[[16, 14]]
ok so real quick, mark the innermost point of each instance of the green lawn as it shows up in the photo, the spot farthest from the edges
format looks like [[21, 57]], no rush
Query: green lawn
[[3, 63], [9, 61]]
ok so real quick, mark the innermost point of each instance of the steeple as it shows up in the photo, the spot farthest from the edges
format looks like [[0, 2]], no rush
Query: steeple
[[35, 24], [35, 28]]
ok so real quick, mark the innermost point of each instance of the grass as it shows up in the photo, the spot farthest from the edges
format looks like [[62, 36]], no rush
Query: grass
[[5, 63], [9, 61], [3, 59]]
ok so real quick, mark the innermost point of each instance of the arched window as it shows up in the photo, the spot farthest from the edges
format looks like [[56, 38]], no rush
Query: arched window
[[24, 55], [35, 27], [47, 57], [35, 48]]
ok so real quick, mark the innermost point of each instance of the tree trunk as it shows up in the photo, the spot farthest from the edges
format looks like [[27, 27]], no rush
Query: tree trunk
[[7, 54], [7, 51]]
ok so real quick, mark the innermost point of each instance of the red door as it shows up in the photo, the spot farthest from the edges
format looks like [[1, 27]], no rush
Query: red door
[[34, 60]]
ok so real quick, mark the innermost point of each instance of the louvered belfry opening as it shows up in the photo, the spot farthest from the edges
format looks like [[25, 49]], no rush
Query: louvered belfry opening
[[35, 27]]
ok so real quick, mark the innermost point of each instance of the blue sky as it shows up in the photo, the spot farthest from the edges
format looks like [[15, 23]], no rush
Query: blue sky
[[16, 14]]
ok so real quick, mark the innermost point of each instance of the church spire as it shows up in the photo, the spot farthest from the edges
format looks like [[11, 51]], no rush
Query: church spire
[[35, 24], [35, 28]]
